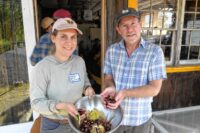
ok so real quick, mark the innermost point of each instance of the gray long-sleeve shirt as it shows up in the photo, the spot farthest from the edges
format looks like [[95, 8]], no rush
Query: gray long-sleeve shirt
[[53, 81]]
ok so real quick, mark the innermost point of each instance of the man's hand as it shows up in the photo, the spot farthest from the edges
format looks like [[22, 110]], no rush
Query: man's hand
[[108, 92], [119, 97]]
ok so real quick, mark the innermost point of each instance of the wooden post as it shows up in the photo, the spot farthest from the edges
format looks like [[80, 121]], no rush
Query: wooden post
[[109, 10], [103, 38]]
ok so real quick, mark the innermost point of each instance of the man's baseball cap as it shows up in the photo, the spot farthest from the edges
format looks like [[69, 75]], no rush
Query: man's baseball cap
[[46, 22], [65, 23], [127, 12], [62, 13]]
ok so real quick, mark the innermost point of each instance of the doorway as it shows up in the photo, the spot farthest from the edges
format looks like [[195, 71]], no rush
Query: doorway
[[87, 14]]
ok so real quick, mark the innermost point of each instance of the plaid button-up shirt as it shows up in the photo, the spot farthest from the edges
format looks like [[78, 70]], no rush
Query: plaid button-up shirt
[[144, 65], [41, 49]]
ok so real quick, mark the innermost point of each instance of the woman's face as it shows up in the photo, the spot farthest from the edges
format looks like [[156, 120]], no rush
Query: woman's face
[[65, 42]]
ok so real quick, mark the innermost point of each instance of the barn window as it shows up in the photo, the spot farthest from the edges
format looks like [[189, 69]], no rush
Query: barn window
[[175, 26]]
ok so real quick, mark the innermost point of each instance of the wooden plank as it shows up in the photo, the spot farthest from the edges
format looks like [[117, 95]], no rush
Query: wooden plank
[[182, 69]]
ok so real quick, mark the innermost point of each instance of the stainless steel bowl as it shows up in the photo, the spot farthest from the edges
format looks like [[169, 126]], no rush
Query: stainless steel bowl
[[114, 116]]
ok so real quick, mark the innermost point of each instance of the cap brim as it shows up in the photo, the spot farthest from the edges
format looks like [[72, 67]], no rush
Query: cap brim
[[65, 28], [125, 15]]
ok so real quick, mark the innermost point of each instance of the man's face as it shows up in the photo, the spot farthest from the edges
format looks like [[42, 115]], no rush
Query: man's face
[[130, 29]]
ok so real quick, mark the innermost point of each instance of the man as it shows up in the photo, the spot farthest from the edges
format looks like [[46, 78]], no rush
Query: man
[[43, 48], [133, 73]]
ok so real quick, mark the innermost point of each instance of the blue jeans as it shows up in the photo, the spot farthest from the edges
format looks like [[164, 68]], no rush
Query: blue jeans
[[49, 126]]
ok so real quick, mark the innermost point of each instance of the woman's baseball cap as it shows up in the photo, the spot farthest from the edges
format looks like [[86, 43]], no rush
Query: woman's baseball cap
[[65, 23]]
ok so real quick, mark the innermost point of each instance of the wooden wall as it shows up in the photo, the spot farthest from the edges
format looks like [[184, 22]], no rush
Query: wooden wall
[[179, 90]]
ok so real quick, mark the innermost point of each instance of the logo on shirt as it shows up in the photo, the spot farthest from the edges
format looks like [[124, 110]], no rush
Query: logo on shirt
[[74, 77]]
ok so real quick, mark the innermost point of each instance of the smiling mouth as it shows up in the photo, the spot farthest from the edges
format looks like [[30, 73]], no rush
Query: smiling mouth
[[68, 49], [131, 35]]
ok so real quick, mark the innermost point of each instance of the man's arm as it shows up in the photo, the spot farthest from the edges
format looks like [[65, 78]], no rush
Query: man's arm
[[109, 86], [150, 90], [108, 81]]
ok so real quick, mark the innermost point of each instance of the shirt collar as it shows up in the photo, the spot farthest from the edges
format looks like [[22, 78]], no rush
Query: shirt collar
[[143, 43]]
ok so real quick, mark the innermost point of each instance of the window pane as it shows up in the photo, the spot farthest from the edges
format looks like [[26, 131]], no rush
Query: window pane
[[14, 94], [166, 43], [167, 52], [194, 52], [146, 19], [167, 37], [157, 37], [191, 37], [165, 19], [197, 21], [184, 41], [190, 5], [195, 38], [148, 35], [184, 52], [169, 20], [187, 38], [189, 20]]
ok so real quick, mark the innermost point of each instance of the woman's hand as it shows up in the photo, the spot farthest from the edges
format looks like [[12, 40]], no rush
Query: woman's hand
[[68, 107], [89, 91]]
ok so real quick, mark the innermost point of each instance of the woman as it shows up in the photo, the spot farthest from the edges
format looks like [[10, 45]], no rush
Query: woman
[[59, 80]]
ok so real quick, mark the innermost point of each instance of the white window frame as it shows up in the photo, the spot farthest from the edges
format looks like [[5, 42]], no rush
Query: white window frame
[[177, 33], [181, 24]]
